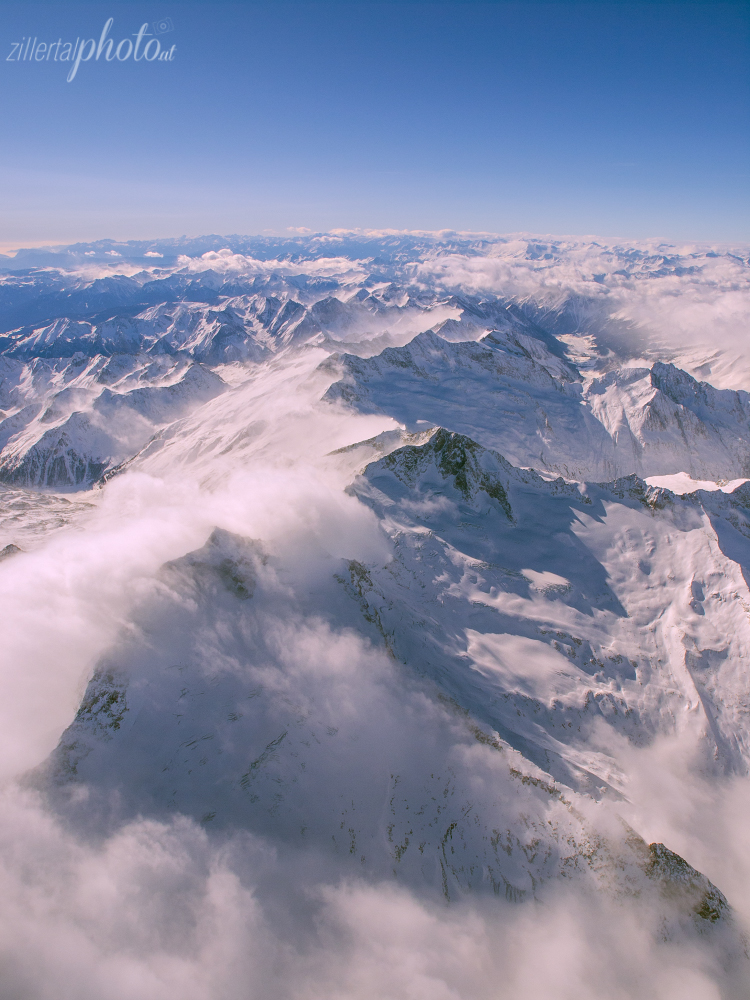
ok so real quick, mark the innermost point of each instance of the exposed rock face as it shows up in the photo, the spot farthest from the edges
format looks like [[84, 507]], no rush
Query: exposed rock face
[[687, 888]]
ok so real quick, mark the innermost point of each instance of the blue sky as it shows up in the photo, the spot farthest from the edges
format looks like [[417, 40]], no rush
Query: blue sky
[[615, 119]]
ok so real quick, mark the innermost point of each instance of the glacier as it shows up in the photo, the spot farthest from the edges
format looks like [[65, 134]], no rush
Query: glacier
[[362, 574]]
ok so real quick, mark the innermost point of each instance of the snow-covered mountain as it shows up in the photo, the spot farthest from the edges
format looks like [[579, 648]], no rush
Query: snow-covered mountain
[[362, 567], [82, 328], [502, 596], [511, 393]]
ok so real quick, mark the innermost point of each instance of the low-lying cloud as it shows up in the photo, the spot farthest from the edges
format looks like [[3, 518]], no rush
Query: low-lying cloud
[[158, 910]]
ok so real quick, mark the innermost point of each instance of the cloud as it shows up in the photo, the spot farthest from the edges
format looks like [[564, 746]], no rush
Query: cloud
[[675, 796], [225, 260], [85, 583], [158, 910]]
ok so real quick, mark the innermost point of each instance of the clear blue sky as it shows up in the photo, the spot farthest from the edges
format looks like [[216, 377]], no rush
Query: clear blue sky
[[616, 119]]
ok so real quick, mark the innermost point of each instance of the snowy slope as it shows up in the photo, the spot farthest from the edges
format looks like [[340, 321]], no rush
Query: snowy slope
[[65, 424], [550, 610], [510, 393]]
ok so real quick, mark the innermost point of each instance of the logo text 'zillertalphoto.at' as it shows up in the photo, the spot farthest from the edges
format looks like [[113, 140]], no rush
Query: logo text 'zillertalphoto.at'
[[146, 47]]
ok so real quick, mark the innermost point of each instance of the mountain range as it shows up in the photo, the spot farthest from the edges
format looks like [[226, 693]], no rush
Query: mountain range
[[475, 541]]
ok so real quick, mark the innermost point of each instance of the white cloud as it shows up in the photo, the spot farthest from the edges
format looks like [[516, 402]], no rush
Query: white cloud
[[691, 304], [158, 910]]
